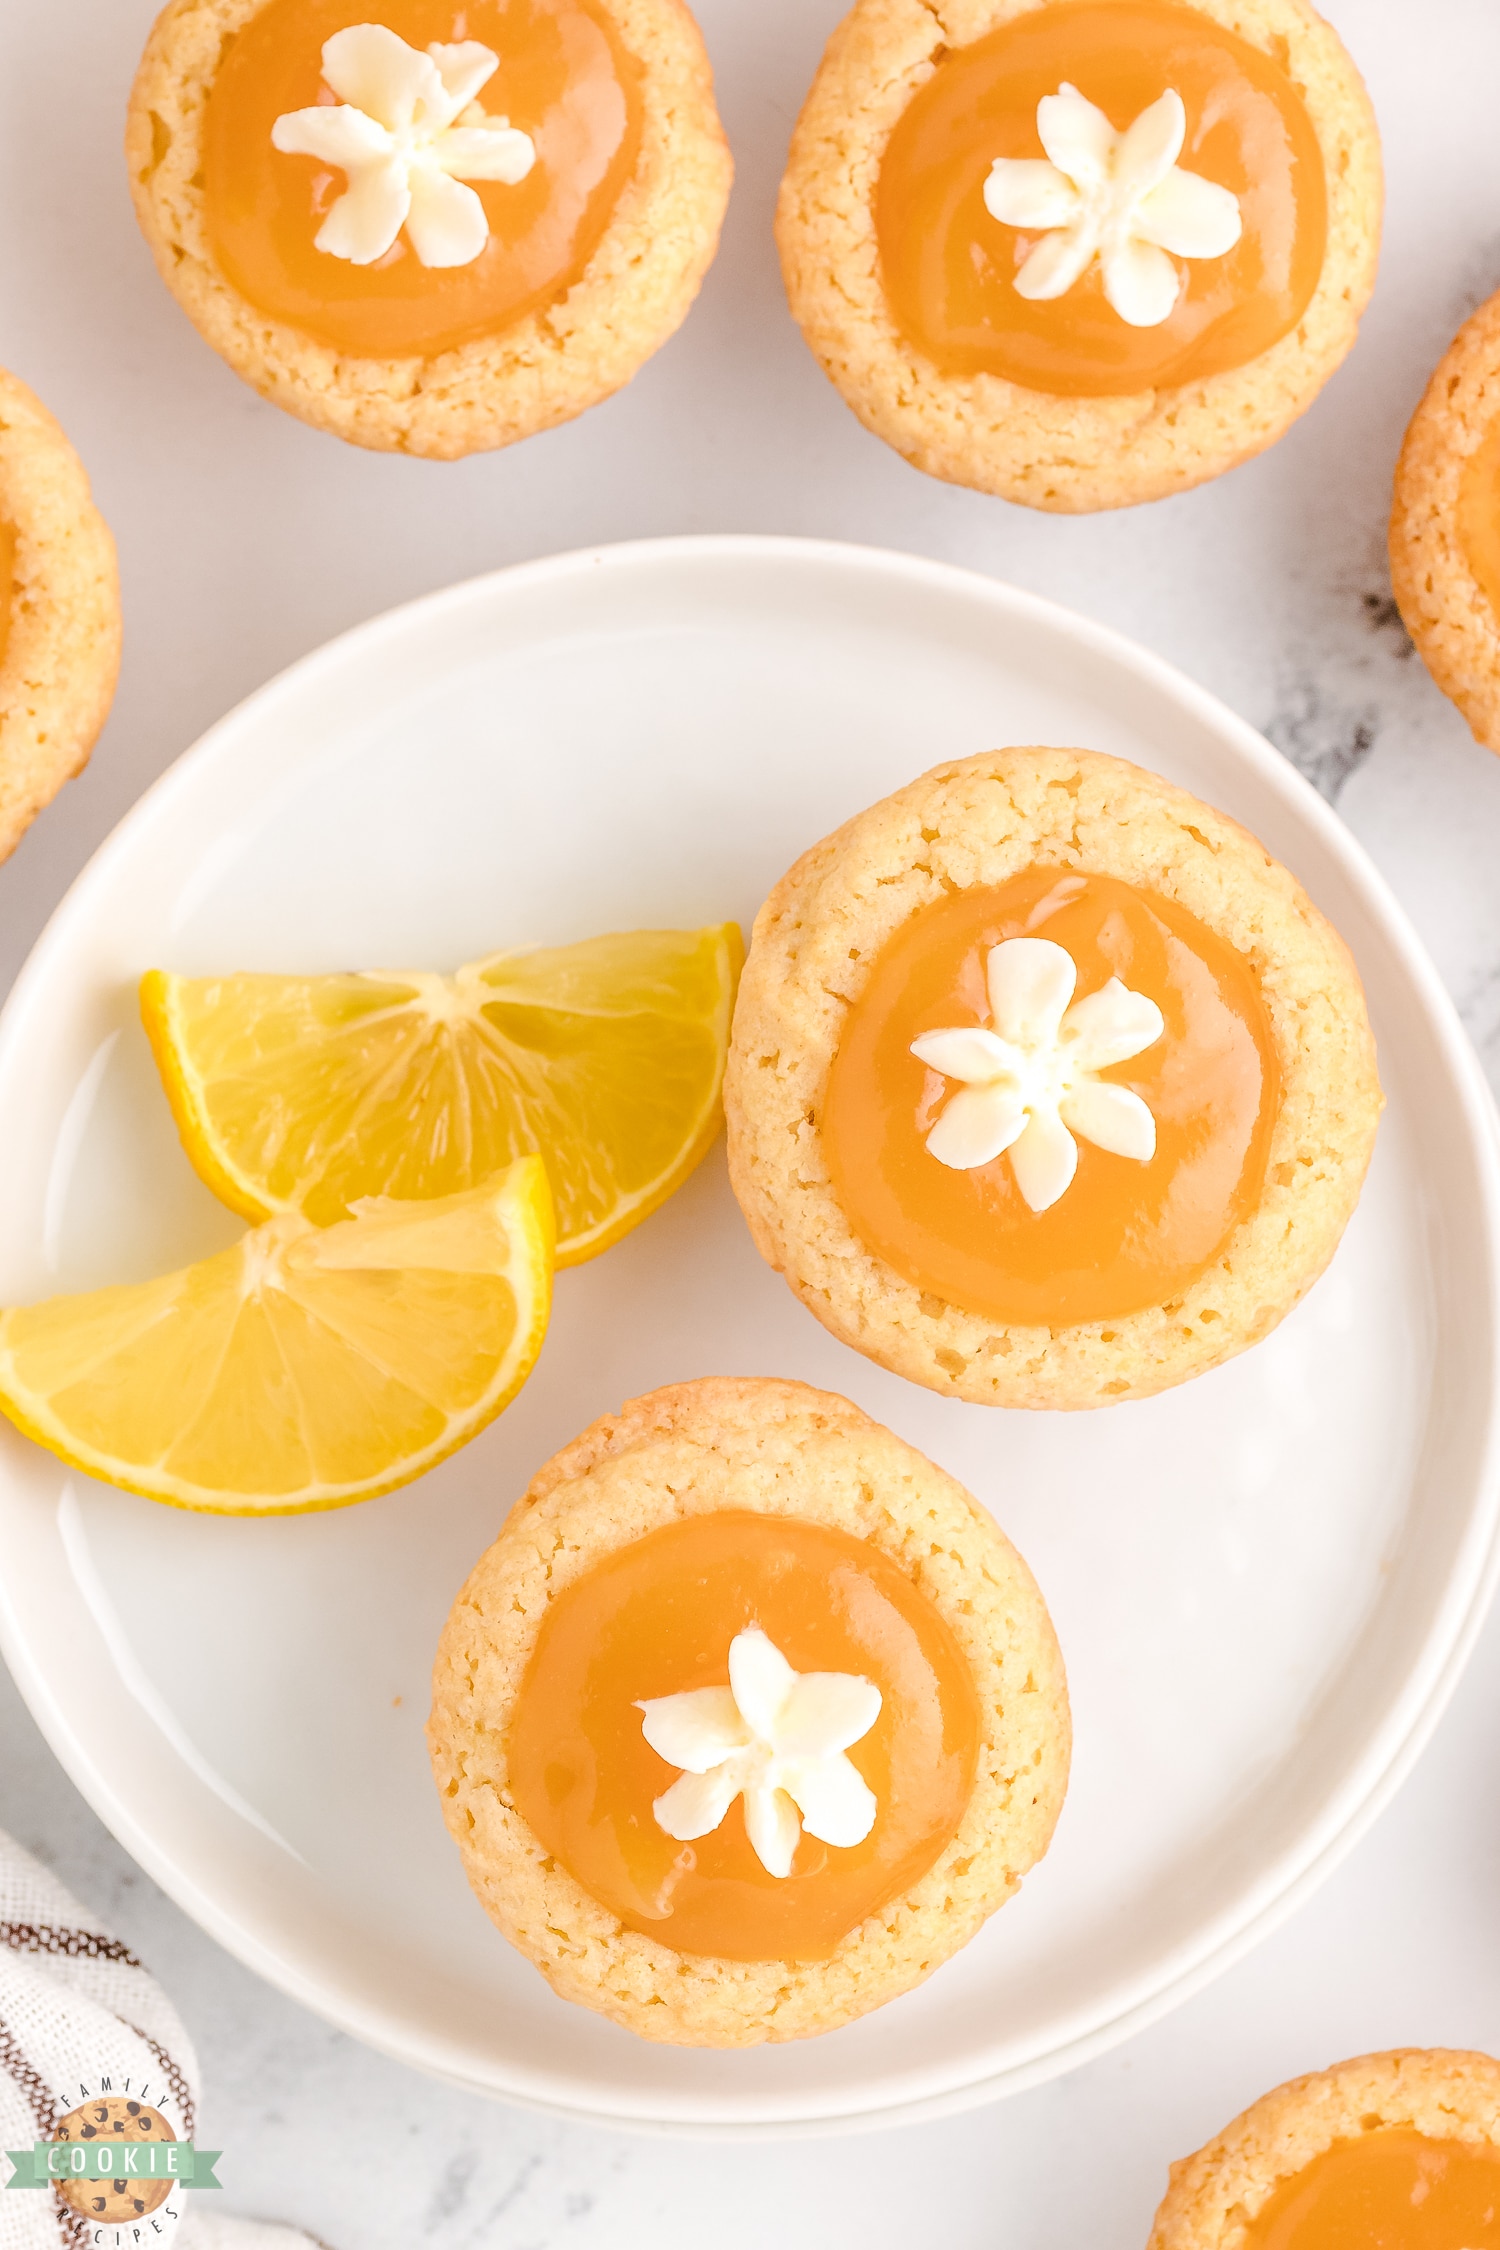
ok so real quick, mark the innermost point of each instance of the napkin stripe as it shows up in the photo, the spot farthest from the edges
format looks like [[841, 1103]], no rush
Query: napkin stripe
[[174, 2076], [49, 1937]]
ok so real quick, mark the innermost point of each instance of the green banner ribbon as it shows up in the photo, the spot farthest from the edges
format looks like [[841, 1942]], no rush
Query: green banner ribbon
[[50, 2163]]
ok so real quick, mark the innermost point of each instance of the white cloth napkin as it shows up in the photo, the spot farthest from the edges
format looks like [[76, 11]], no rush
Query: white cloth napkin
[[76, 2006]]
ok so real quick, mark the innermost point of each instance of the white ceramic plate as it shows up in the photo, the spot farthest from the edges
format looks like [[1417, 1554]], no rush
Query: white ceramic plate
[[1265, 1583]]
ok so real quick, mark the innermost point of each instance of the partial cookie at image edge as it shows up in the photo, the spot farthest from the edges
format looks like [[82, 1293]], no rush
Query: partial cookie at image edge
[[1064, 455], [1449, 616], [546, 368], [62, 648]]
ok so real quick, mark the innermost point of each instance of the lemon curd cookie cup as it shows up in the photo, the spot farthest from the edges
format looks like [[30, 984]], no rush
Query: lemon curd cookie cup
[[1047, 1086], [1081, 253], [1401, 2148], [429, 228], [59, 612], [1445, 524], [748, 1719]]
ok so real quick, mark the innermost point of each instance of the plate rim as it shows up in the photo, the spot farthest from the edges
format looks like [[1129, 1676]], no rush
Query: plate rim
[[1361, 1796]]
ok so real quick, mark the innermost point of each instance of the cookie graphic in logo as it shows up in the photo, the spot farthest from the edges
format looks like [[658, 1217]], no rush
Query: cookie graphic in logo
[[111, 2202]]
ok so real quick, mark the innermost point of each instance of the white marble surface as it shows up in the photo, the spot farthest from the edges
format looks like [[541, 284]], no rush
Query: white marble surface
[[245, 540]]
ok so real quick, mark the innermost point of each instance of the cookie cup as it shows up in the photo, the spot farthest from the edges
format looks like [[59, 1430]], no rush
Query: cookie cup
[[62, 643], [976, 824], [1447, 612], [632, 296], [781, 1449], [1065, 454], [1215, 2196]]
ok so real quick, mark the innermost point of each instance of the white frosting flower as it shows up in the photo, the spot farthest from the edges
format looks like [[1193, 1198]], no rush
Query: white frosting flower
[[775, 1736], [406, 131], [1117, 197], [1029, 1085]]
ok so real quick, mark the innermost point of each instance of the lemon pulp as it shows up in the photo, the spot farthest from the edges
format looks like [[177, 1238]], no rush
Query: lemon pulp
[[306, 1093], [305, 1367]]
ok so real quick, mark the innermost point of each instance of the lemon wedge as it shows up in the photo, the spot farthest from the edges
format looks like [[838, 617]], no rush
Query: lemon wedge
[[306, 1093], [304, 1368]]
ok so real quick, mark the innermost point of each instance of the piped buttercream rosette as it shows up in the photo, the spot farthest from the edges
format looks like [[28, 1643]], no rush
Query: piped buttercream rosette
[[1029, 1083], [406, 132], [777, 1738], [1119, 197]]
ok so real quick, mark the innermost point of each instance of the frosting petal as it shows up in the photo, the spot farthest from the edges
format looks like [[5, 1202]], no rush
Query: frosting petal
[[1052, 266], [463, 66], [969, 1052], [368, 216], [837, 1804], [977, 1125], [1111, 1025], [825, 1712], [772, 1826], [373, 69], [1030, 983], [1027, 191], [1190, 216], [695, 1730], [761, 1680], [1150, 146], [1078, 137], [1044, 1160], [1140, 282], [343, 136], [485, 152], [1112, 1117], [445, 220], [696, 1803]]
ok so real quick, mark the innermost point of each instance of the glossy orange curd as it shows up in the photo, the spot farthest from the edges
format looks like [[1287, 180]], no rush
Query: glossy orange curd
[[1126, 1234], [1479, 514], [949, 268], [1391, 2189], [564, 78], [656, 1618]]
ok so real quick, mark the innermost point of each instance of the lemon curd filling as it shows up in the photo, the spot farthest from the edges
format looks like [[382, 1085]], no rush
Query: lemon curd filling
[[1127, 1230], [1390, 2189], [1479, 514], [563, 78], [657, 1620], [950, 268]]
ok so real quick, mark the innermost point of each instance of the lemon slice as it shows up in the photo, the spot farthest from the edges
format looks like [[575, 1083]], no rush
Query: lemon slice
[[306, 1093], [304, 1368]]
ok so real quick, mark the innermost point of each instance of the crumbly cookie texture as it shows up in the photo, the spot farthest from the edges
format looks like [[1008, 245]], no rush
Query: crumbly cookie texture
[[1064, 454], [978, 823], [781, 1449], [633, 295], [1214, 2196], [62, 655], [1443, 606]]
